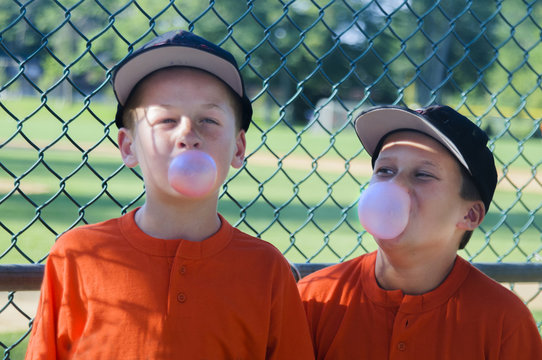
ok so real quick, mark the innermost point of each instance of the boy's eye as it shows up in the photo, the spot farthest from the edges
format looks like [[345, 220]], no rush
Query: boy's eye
[[209, 121], [158, 115], [384, 171], [424, 175], [162, 120]]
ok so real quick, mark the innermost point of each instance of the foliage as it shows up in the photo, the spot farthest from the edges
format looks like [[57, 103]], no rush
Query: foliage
[[292, 53]]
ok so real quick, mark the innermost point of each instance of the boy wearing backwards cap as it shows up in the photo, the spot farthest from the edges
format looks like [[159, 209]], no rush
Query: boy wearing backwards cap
[[172, 279], [415, 298]]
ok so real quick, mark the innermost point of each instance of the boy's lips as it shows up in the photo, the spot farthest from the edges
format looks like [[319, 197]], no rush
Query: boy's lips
[[384, 209], [192, 173]]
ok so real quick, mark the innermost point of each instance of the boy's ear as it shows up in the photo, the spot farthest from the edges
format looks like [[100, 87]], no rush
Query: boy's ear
[[240, 147], [125, 141], [474, 216]]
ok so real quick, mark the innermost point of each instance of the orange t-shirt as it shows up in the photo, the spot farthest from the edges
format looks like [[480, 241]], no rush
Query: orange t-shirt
[[469, 316], [112, 292]]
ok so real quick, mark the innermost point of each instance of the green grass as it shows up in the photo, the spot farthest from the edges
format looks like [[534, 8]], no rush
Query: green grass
[[17, 347], [307, 210], [294, 206]]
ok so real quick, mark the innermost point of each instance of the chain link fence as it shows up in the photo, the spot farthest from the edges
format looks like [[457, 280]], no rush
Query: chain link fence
[[310, 66]]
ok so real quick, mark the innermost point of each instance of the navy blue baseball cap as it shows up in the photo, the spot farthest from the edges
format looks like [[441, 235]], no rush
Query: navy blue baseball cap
[[464, 139], [179, 48]]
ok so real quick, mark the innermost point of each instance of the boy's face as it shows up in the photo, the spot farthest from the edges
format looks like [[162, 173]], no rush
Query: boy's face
[[179, 109], [432, 178]]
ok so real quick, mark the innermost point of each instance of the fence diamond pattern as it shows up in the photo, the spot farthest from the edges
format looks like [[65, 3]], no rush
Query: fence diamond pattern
[[310, 66]]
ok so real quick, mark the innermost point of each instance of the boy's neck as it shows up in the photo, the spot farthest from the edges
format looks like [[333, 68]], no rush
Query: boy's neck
[[415, 273], [193, 223]]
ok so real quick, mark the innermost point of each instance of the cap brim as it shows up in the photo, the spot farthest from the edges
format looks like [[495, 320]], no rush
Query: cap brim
[[152, 59], [373, 124]]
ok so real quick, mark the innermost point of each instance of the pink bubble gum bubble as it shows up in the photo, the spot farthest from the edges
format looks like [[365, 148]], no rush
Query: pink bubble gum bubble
[[192, 173], [383, 210]]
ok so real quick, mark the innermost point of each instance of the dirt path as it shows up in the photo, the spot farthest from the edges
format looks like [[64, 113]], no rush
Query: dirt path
[[515, 178], [11, 320]]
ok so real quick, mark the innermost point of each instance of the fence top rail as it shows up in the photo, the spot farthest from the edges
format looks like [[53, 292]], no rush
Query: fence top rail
[[28, 277], [501, 272]]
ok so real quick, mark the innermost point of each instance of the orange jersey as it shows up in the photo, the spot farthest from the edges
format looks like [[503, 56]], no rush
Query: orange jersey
[[112, 292], [469, 316]]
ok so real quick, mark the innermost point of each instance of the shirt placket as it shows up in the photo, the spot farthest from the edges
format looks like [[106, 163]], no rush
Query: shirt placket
[[181, 300], [401, 344]]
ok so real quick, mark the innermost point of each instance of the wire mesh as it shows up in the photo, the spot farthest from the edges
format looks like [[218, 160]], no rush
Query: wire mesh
[[310, 65]]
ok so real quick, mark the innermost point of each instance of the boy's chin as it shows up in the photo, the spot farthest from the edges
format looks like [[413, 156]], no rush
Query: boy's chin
[[401, 239]]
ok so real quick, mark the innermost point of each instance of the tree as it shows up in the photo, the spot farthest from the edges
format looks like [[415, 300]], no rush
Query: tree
[[292, 53]]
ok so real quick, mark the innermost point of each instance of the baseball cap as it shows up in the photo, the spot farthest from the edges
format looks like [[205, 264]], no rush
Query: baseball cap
[[179, 48], [466, 141]]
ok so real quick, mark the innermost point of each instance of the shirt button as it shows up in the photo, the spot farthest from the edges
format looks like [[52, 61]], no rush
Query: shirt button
[[182, 270], [401, 346], [181, 297]]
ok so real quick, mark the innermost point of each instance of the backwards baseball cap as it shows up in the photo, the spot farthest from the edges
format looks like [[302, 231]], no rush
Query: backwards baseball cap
[[179, 48], [466, 141]]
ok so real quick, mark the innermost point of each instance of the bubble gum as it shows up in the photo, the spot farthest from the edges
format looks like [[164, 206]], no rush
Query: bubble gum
[[383, 209], [192, 173]]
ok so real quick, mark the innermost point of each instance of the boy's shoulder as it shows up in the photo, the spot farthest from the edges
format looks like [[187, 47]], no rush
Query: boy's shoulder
[[338, 272], [493, 304], [88, 235], [235, 251], [342, 276], [244, 242], [491, 293]]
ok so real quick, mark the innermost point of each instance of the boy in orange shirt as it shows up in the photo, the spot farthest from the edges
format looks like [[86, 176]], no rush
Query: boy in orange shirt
[[415, 298], [172, 279]]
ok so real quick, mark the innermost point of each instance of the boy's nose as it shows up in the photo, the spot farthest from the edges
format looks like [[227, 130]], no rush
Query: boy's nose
[[187, 136], [403, 181]]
